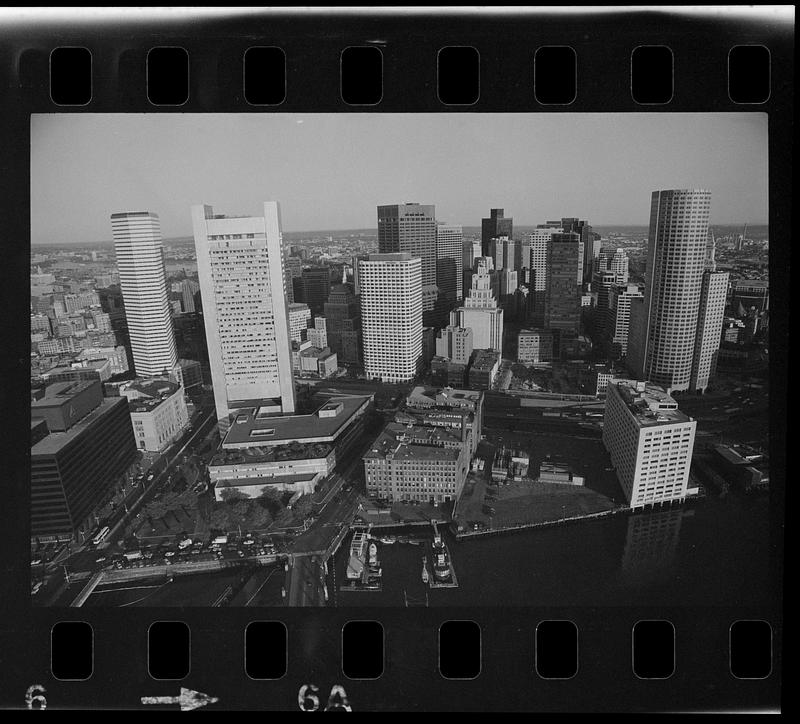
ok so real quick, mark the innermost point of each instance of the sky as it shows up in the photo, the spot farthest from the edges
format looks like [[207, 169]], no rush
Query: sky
[[330, 171]]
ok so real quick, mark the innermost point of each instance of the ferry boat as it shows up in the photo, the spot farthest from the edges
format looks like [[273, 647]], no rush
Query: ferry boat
[[441, 559], [425, 575], [358, 547]]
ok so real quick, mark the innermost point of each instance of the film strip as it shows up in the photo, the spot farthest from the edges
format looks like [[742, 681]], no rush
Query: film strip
[[553, 644]]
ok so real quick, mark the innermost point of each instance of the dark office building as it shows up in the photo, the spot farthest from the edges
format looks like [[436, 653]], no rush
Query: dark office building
[[73, 468], [316, 288], [412, 228], [190, 337], [750, 293], [343, 315], [494, 227], [587, 238], [562, 304]]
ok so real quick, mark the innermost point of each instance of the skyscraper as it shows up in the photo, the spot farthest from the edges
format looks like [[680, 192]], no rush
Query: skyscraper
[[538, 242], [449, 252], [316, 288], [140, 261], [496, 225], [562, 296], [676, 257], [587, 238], [344, 324], [481, 312], [620, 299], [411, 228], [713, 292], [391, 315], [240, 266]]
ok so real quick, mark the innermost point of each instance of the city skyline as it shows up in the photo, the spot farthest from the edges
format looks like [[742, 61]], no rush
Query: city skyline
[[524, 163]]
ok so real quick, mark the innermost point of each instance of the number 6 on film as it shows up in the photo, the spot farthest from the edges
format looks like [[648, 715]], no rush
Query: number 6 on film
[[34, 697]]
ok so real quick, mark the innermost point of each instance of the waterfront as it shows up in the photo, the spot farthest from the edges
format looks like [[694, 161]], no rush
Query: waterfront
[[712, 552]]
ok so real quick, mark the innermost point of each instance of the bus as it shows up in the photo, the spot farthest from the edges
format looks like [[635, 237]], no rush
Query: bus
[[101, 535]]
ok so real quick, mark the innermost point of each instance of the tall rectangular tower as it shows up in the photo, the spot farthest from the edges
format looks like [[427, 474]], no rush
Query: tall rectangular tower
[[713, 293], [676, 257], [449, 252], [562, 296], [140, 261], [391, 315], [496, 225], [240, 266], [411, 228]]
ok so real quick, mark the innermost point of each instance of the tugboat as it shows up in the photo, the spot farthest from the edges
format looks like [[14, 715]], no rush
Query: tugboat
[[373, 564], [425, 575], [441, 559]]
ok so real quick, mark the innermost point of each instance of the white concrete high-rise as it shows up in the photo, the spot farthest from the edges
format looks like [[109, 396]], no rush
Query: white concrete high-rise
[[140, 261], [650, 442], [538, 241], [240, 264], [676, 257], [449, 253], [713, 294], [620, 298], [391, 315]]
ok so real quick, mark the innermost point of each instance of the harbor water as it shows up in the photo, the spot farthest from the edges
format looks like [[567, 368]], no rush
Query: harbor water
[[712, 552]]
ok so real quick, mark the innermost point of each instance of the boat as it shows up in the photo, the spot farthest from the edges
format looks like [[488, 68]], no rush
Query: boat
[[373, 564], [388, 540], [355, 565], [425, 574], [402, 539], [441, 559]]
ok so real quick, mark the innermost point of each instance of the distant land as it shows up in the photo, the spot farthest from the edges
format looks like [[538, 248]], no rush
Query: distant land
[[754, 231]]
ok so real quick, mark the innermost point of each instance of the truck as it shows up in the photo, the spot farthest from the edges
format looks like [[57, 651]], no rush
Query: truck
[[220, 540], [184, 544], [132, 555]]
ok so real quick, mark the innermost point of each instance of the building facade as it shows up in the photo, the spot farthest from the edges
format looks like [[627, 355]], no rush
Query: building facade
[[411, 228], [391, 315], [449, 249], [534, 346], [455, 343], [496, 225], [158, 412], [676, 259], [89, 444], [481, 313], [650, 442], [562, 295], [140, 260], [713, 294], [240, 267]]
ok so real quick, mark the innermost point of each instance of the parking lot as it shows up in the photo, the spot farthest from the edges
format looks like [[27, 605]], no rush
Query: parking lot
[[526, 502]]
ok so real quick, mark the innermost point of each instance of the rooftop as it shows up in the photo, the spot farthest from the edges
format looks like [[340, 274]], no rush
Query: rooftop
[[648, 403], [393, 440], [152, 393], [261, 481], [55, 441], [250, 428], [442, 397], [60, 392]]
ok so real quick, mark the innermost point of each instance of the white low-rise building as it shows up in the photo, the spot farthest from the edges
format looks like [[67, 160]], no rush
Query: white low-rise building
[[158, 412], [650, 442]]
